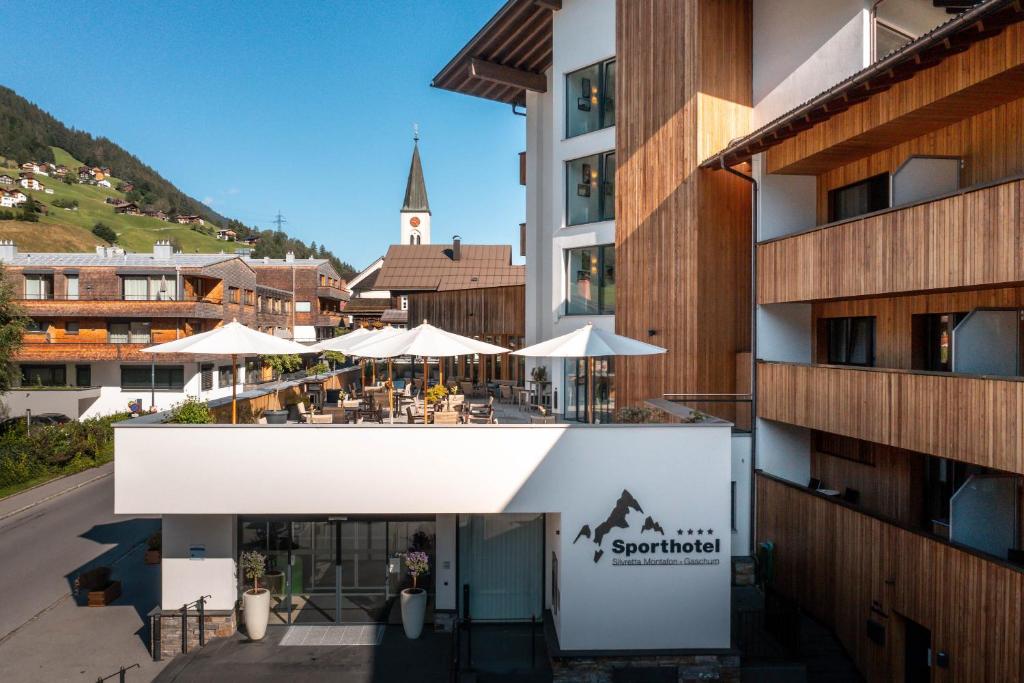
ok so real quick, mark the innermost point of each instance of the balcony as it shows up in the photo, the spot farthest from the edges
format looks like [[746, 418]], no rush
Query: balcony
[[970, 418], [115, 306], [331, 293], [84, 352], [70, 401], [966, 239]]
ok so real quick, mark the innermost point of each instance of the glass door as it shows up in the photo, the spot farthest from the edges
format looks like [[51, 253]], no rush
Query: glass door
[[576, 389], [364, 571]]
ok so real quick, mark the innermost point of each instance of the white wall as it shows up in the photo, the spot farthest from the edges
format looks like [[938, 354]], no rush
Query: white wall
[[184, 579], [680, 475], [583, 34], [784, 332], [786, 204], [802, 48], [784, 451]]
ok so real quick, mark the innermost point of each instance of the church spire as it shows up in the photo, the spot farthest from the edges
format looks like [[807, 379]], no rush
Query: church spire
[[415, 187]]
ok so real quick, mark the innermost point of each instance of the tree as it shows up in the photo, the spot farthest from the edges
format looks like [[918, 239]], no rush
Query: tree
[[12, 325], [104, 232]]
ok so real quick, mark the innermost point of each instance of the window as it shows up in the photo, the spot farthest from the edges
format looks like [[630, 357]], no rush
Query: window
[[404, 303], [35, 326], [590, 99], [591, 279], [224, 375], [259, 303], [149, 288], [233, 295], [302, 307], [851, 341], [590, 189], [83, 375], [71, 284], [71, 327], [248, 297], [137, 332], [857, 199], [39, 286], [206, 376], [44, 375], [933, 340], [163, 377]]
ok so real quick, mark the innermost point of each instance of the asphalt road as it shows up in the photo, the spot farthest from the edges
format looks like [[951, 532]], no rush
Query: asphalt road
[[45, 547]]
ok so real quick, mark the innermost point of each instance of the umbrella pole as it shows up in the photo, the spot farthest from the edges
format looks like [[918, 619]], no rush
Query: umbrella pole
[[391, 396], [373, 371], [590, 390], [425, 379], [234, 389]]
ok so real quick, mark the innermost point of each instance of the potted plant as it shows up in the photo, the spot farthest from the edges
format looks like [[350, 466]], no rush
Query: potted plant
[[152, 555], [256, 600], [414, 600]]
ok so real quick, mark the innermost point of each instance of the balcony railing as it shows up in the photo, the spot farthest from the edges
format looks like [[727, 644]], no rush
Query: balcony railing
[[970, 418], [965, 239], [88, 296]]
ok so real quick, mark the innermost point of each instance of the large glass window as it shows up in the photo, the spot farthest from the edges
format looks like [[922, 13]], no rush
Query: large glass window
[[851, 341], [164, 377], [44, 375], [137, 332], [591, 279], [590, 189], [83, 375], [39, 286], [150, 288], [71, 280], [590, 99], [857, 199], [501, 561]]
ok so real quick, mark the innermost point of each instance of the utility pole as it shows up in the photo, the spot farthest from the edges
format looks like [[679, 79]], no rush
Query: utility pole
[[279, 220]]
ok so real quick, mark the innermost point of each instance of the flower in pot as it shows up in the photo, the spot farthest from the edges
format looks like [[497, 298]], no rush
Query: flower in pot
[[256, 600], [153, 544], [414, 600]]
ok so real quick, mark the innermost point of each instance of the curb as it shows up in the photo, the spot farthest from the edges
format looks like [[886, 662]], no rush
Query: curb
[[52, 495]]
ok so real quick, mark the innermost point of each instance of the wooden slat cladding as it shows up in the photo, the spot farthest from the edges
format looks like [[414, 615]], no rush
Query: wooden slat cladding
[[967, 240], [984, 76], [472, 312], [846, 568], [894, 317], [682, 234], [975, 420]]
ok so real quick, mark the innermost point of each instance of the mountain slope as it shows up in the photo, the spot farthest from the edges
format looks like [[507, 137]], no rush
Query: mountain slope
[[27, 133]]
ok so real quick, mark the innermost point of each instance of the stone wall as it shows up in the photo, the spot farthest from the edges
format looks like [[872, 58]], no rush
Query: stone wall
[[165, 631]]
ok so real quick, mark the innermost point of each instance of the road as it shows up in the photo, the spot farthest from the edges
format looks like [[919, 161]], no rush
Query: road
[[62, 534]]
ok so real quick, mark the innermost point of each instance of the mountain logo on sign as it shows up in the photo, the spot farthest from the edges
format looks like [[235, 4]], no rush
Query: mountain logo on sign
[[617, 519]]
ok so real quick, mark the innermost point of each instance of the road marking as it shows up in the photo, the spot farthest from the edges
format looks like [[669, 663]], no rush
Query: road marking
[[55, 495]]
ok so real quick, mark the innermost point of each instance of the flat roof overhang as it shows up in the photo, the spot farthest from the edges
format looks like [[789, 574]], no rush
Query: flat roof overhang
[[507, 57], [953, 37]]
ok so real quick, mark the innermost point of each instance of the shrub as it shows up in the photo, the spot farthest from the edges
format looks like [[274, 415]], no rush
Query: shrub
[[62, 203], [282, 364], [253, 565], [104, 232], [637, 415], [191, 411], [436, 393], [417, 563], [317, 369]]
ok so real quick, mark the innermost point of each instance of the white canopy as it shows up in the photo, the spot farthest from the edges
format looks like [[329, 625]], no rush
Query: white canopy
[[343, 342], [230, 340], [374, 336], [427, 341], [589, 341]]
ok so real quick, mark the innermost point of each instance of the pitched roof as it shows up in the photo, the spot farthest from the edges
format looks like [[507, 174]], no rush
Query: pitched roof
[[431, 267], [369, 306], [415, 187], [394, 315]]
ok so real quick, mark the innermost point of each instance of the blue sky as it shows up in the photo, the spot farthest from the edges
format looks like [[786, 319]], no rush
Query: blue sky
[[306, 107]]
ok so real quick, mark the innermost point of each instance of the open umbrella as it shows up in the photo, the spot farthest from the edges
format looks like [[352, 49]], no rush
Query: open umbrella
[[343, 342], [589, 342], [232, 339], [374, 335], [426, 341]]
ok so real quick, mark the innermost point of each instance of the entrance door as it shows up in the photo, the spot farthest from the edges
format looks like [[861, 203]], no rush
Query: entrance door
[[917, 654], [314, 572], [576, 389], [364, 571]]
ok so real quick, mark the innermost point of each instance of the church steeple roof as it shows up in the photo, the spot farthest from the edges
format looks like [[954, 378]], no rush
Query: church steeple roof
[[415, 187]]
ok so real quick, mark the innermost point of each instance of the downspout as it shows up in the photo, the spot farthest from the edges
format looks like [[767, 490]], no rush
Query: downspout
[[753, 341]]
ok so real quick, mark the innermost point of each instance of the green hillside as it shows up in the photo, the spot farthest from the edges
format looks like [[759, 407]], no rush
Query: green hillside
[[134, 233]]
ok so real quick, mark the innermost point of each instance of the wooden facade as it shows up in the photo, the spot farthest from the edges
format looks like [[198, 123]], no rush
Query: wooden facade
[[988, 74], [682, 234], [847, 568], [971, 419]]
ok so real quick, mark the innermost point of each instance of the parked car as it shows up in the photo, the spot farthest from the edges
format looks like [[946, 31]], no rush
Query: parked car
[[40, 419]]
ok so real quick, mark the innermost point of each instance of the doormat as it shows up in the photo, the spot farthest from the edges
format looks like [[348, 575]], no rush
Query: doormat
[[370, 634]]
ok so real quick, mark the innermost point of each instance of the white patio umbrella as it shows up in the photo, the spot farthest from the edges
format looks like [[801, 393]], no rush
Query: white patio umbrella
[[375, 335], [426, 341], [343, 342], [589, 342], [232, 340]]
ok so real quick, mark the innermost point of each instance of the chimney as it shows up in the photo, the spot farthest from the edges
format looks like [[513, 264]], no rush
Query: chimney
[[266, 259], [456, 248], [101, 250], [163, 249], [8, 250], [289, 257]]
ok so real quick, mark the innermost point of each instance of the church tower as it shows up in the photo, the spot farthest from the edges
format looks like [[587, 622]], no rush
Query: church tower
[[415, 213]]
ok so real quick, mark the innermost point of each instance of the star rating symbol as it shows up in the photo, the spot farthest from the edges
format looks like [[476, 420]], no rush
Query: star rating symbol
[[710, 532], [690, 532], [679, 532], [700, 532]]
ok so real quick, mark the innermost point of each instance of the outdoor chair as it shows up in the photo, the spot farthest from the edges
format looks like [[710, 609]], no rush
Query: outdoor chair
[[300, 409], [505, 394], [481, 408], [456, 401], [482, 417], [413, 417], [543, 416], [446, 417]]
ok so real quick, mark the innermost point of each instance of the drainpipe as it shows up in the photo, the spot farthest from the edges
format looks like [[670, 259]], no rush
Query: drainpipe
[[753, 339]]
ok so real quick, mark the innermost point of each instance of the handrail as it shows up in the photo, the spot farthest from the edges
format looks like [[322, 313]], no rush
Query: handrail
[[121, 298], [120, 673], [895, 371]]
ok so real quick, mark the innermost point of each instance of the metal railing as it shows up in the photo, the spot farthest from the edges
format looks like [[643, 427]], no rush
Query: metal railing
[[120, 673], [200, 605], [86, 296], [735, 408]]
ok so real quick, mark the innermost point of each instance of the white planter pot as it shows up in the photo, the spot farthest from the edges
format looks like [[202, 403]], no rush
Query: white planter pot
[[414, 608], [256, 608]]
